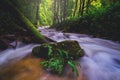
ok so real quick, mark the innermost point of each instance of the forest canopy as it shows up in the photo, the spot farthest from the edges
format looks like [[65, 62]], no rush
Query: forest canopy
[[47, 12]]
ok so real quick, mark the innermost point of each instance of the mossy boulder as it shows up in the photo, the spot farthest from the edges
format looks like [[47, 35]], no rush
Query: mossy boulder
[[71, 47], [57, 55]]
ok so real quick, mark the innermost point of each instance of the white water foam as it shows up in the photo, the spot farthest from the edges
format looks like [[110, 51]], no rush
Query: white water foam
[[20, 52], [102, 57], [101, 60]]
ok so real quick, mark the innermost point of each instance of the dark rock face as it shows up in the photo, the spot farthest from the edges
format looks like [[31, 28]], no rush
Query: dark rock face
[[3, 45], [71, 47]]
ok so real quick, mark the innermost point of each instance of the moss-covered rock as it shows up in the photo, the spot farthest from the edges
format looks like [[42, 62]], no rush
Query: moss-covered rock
[[71, 47], [57, 55]]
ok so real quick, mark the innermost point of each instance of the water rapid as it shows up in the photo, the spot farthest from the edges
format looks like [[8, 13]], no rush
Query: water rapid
[[20, 52], [101, 60], [102, 57]]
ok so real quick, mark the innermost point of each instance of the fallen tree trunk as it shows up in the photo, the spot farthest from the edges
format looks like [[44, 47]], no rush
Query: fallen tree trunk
[[21, 20]]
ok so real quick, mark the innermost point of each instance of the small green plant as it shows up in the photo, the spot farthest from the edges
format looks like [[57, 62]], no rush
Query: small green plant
[[56, 62]]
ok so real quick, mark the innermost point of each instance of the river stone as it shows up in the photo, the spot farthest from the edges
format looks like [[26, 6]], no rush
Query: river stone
[[3, 45], [72, 47]]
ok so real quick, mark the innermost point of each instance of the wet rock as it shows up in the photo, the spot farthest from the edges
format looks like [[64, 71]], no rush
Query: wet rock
[[58, 55], [71, 47], [5, 41], [3, 45]]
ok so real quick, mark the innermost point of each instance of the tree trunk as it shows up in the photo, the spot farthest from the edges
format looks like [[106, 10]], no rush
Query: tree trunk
[[82, 7], [24, 22], [74, 13], [87, 6], [65, 10], [55, 15], [37, 13], [61, 4], [57, 11]]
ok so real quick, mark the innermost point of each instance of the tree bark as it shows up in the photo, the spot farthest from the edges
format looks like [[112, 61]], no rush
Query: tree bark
[[61, 10], [82, 7], [76, 4], [37, 13], [55, 13], [87, 6], [65, 10]]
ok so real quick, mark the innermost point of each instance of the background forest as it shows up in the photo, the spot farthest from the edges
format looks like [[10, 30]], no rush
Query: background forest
[[47, 12], [100, 18]]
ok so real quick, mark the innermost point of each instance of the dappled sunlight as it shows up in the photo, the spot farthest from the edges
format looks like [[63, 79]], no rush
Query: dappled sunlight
[[97, 4]]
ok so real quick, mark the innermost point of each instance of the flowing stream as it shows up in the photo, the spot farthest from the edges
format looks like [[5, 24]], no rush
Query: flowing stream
[[101, 60]]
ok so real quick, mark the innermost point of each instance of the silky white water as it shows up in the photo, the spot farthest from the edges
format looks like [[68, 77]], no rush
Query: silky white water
[[101, 60], [11, 54]]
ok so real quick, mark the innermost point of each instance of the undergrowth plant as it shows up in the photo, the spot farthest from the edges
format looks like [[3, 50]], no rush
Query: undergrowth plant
[[58, 60]]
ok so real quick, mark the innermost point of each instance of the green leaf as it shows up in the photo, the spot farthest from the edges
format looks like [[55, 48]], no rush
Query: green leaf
[[56, 62], [49, 50], [72, 65]]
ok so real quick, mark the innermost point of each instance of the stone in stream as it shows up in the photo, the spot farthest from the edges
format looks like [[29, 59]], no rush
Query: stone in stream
[[5, 41], [57, 55], [3, 45], [71, 47]]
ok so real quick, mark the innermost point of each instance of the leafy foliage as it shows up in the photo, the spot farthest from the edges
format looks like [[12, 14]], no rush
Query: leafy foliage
[[56, 63], [102, 20]]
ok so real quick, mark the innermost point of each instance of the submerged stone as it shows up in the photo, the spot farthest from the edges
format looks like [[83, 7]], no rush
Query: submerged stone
[[68, 47]]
